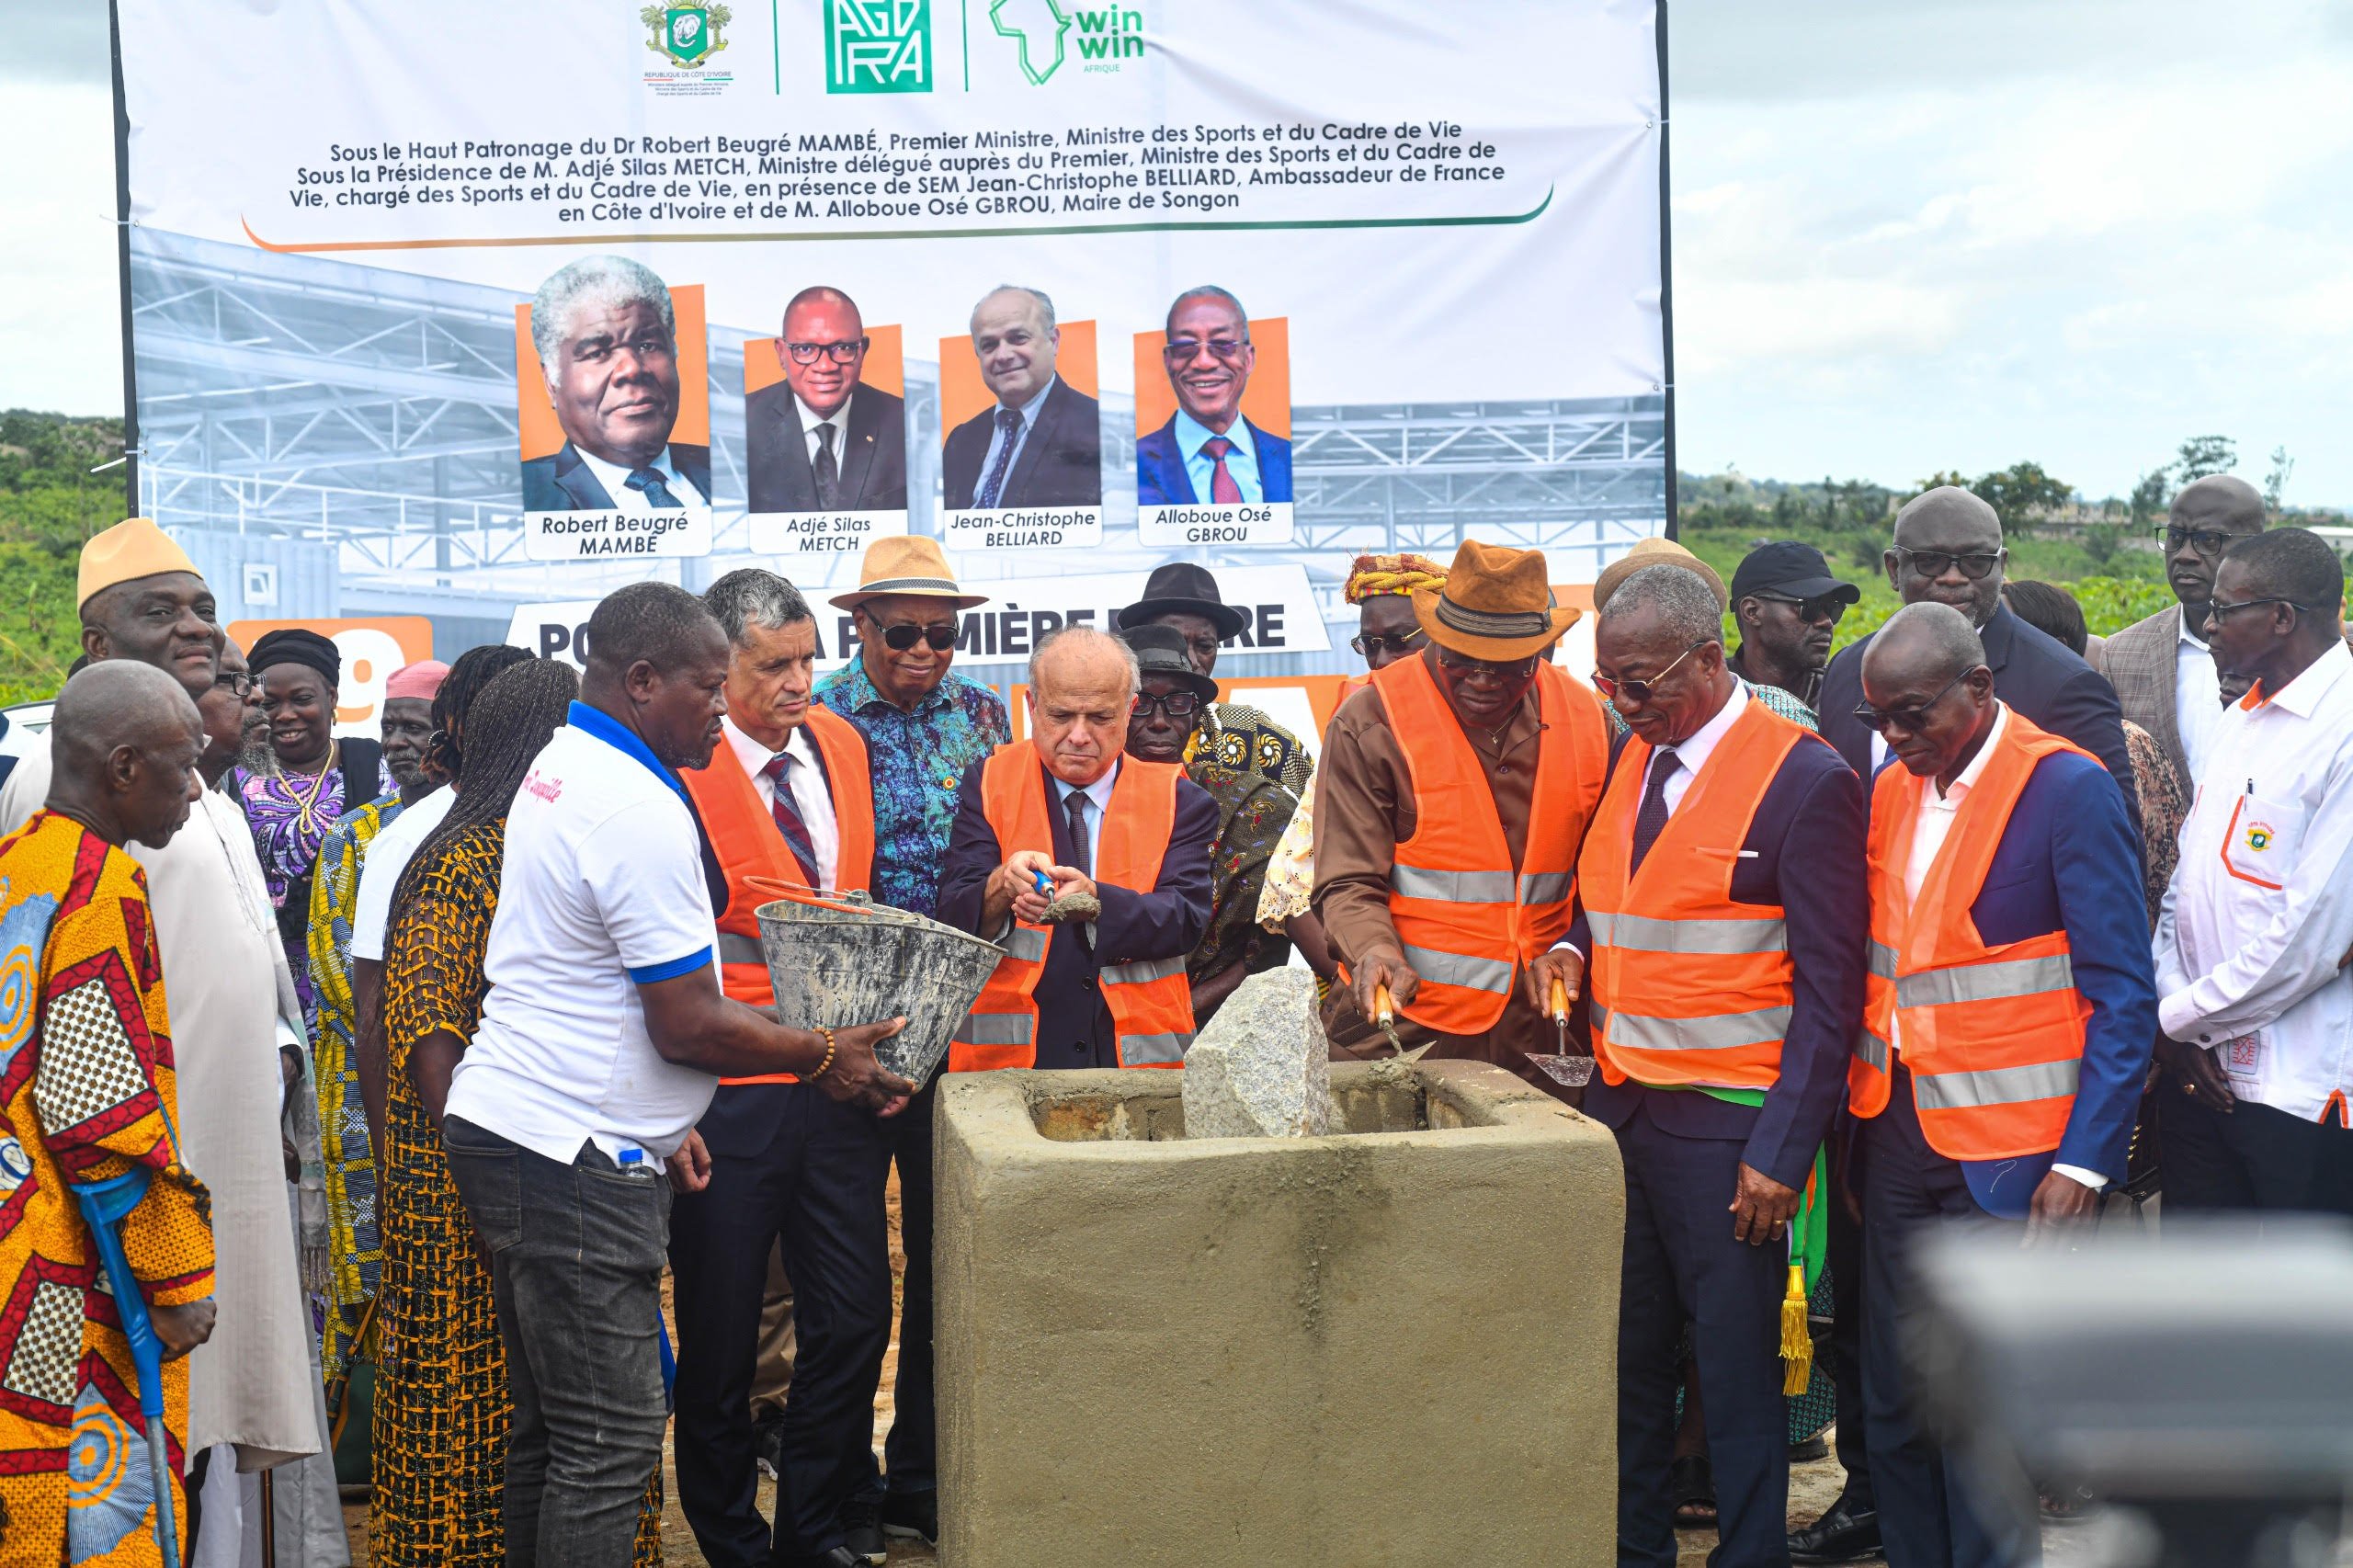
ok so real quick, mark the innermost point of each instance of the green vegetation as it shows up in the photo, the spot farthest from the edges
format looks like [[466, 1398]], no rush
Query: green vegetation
[[49, 501]]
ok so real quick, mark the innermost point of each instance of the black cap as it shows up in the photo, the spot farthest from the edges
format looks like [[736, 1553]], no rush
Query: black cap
[[1183, 589], [1790, 568], [1161, 651]]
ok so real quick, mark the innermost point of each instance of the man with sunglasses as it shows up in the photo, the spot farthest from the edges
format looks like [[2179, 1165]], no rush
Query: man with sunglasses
[[1788, 605], [1454, 796], [1947, 550], [2162, 669], [1206, 452], [2252, 939], [821, 441], [2006, 1031]]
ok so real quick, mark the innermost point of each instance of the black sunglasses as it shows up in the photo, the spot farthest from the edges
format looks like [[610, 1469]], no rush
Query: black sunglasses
[[1829, 607], [904, 635], [1912, 716], [1936, 563], [1176, 704], [1642, 690]]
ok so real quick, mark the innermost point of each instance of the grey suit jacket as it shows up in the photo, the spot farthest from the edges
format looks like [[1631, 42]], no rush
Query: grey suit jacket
[[2139, 663]]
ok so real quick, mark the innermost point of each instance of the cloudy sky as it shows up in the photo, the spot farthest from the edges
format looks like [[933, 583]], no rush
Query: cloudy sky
[[1910, 234]]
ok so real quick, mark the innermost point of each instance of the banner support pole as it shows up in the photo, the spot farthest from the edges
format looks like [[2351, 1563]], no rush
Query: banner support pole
[[1666, 276], [122, 263]]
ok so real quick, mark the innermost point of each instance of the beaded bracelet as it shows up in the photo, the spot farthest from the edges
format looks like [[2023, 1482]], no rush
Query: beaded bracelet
[[826, 1065]]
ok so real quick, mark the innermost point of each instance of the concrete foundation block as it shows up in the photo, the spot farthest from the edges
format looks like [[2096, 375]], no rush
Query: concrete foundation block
[[1393, 1346]]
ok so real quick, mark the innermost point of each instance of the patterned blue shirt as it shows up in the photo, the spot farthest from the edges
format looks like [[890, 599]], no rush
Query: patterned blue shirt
[[917, 760]]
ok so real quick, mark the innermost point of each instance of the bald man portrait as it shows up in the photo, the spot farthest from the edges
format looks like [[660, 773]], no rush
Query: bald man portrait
[[1040, 443], [821, 439], [1208, 452]]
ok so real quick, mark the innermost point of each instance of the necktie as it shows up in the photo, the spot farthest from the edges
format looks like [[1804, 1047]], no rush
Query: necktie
[[1075, 807], [1650, 819], [1008, 427], [788, 818], [657, 494], [1223, 491], [828, 472]]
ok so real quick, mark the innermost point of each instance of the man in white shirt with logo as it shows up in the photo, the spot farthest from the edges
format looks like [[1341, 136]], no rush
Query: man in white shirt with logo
[[2256, 1003], [603, 1036]]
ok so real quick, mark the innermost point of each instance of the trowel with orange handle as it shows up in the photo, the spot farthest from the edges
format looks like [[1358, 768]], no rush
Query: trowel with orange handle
[[1569, 1072], [1384, 1013]]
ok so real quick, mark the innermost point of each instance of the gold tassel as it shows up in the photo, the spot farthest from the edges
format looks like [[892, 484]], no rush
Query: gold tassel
[[1796, 1338]]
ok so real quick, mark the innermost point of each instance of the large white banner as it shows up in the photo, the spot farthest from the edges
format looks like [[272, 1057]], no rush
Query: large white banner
[[451, 308]]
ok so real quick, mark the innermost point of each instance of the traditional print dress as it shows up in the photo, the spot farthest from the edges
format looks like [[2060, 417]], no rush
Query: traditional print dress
[[290, 814], [87, 1092]]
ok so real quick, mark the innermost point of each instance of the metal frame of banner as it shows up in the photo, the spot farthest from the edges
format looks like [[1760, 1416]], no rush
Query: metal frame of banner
[[1666, 276]]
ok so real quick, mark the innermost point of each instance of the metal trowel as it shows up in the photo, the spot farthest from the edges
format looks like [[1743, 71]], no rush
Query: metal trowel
[[1569, 1072], [1384, 1013]]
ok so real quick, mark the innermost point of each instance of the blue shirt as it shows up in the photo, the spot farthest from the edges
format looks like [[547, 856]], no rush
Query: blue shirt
[[1242, 462], [996, 443], [917, 760]]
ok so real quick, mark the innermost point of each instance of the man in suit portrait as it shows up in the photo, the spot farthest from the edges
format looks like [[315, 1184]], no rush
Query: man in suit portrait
[[821, 440], [1042, 444], [1947, 550], [607, 342], [1207, 451]]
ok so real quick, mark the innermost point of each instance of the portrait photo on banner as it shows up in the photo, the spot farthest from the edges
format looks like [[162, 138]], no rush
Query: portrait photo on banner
[[613, 406], [1022, 461], [1213, 424]]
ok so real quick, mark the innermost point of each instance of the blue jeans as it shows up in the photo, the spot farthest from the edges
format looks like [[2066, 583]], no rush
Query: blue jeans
[[576, 1256]]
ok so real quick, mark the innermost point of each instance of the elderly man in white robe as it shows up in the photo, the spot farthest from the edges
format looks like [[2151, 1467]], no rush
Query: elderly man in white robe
[[256, 1384]]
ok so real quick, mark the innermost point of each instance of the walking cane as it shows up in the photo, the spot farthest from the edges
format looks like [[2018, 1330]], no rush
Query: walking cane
[[103, 1205]]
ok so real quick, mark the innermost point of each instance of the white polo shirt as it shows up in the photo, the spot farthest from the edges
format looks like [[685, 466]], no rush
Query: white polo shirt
[[602, 891], [388, 854]]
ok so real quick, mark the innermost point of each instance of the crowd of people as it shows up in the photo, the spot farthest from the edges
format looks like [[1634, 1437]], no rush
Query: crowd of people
[[1979, 921]]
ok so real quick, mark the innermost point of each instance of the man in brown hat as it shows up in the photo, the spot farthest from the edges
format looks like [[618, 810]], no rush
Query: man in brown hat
[[1455, 912], [924, 726]]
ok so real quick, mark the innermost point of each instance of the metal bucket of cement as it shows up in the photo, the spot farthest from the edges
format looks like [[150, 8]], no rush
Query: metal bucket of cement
[[840, 959]]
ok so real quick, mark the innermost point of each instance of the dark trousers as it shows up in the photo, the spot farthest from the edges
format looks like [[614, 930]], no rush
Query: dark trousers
[[575, 1267], [907, 1452], [2252, 1156], [1843, 1254], [1681, 1267], [785, 1161], [1932, 1513]]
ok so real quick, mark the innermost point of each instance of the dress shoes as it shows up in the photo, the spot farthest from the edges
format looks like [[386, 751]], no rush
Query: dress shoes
[[1841, 1535]]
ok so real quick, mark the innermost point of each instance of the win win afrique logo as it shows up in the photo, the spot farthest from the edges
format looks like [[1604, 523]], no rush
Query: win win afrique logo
[[686, 36], [1106, 35], [878, 46]]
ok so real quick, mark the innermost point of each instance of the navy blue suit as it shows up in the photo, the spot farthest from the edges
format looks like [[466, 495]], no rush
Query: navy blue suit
[[563, 483], [1163, 480], [1075, 1027], [2067, 861], [1804, 852]]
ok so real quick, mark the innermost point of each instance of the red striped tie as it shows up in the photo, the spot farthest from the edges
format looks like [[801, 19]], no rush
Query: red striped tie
[[788, 819]]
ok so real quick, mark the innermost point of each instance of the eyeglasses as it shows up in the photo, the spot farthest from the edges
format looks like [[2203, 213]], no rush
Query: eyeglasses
[[241, 684], [2218, 610], [905, 634], [1936, 563], [1913, 716], [1402, 644], [1827, 607], [1461, 666], [2209, 543], [1226, 349], [1641, 690], [1176, 704], [840, 353]]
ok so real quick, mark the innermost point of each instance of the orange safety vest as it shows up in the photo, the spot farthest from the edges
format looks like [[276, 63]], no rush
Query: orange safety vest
[[1150, 1000], [1467, 921], [744, 837], [1993, 1036], [1690, 987]]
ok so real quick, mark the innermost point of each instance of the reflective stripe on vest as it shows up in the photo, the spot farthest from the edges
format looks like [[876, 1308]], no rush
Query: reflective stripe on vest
[[1992, 1037], [744, 837], [1150, 999], [1688, 986], [1465, 916]]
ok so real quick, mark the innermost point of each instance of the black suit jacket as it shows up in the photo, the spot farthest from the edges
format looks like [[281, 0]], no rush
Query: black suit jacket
[[1061, 464], [565, 484], [2033, 672], [1805, 852], [873, 453], [1074, 1021]]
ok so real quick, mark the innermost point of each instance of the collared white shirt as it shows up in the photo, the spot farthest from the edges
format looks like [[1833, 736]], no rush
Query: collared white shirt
[[810, 792], [1021, 438], [1241, 463], [615, 479], [1930, 827], [1098, 795], [2196, 698], [387, 856], [2258, 918], [839, 419], [1692, 753]]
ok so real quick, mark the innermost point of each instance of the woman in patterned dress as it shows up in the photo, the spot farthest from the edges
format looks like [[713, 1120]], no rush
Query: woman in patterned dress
[[442, 1411]]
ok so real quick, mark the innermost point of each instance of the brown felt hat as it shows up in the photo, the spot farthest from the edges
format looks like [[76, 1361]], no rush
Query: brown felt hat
[[1655, 551], [1497, 604]]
